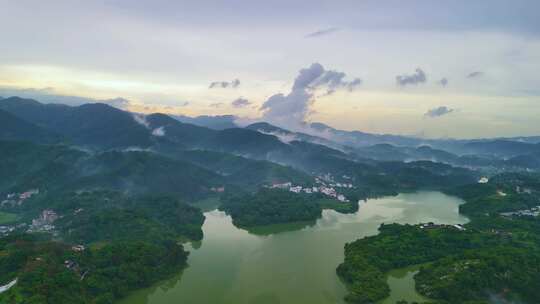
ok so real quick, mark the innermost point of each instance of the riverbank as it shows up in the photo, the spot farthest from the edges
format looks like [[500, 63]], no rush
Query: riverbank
[[496, 254], [233, 265]]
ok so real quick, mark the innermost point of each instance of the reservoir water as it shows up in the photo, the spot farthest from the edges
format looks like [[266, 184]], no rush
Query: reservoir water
[[293, 265]]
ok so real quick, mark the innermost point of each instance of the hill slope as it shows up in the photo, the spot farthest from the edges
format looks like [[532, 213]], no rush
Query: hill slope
[[14, 128], [59, 168], [94, 125]]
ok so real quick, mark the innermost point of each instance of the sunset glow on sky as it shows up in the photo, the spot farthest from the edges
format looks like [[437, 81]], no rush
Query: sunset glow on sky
[[465, 71]]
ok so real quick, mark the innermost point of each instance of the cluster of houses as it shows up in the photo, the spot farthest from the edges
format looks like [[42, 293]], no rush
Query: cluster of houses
[[521, 190], [16, 199], [75, 267], [432, 225], [325, 185], [218, 189], [6, 230], [44, 223], [534, 211]]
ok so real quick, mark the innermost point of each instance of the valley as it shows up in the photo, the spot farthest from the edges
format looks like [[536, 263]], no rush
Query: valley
[[122, 207], [269, 152]]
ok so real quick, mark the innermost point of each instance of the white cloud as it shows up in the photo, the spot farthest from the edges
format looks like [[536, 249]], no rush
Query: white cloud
[[141, 119], [291, 110], [159, 131]]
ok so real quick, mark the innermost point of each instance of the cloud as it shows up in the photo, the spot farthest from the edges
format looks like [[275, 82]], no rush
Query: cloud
[[323, 32], [49, 95], [438, 112], [225, 84], [118, 102], [141, 119], [351, 86], [159, 131], [291, 110], [283, 137], [418, 77], [475, 74], [443, 82], [216, 105], [240, 102]]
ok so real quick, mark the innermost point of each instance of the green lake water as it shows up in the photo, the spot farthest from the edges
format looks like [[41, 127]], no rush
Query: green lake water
[[401, 282], [294, 265]]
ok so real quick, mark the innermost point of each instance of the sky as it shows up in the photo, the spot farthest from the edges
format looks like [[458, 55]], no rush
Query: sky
[[461, 68]]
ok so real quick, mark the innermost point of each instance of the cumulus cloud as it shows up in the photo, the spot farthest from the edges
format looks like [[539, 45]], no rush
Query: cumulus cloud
[[418, 77], [240, 102], [443, 82], [225, 84], [475, 74], [438, 112], [322, 32], [291, 110]]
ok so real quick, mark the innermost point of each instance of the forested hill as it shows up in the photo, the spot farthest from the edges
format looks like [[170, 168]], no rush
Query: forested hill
[[59, 168], [14, 128], [494, 256], [100, 127]]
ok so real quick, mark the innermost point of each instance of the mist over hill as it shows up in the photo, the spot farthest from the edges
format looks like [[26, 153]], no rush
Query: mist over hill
[[102, 127], [109, 179]]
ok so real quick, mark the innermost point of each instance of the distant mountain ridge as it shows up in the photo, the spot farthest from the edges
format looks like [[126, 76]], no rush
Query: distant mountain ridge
[[218, 122], [89, 124], [358, 138], [14, 128], [102, 127]]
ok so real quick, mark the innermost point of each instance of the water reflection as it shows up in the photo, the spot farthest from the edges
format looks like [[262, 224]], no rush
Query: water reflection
[[288, 267]]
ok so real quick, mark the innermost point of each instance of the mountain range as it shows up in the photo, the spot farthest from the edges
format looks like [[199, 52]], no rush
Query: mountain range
[[99, 146], [96, 146]]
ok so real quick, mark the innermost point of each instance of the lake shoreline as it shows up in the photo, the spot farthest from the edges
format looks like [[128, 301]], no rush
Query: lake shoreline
[[296, 266]]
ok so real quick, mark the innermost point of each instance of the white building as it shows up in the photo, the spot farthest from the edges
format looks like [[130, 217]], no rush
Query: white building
[[295, 189], [342, 198], [483, 180]]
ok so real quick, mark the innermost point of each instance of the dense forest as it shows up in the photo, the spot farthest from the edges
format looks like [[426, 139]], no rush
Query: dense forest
[[110, 244], [94, 204], [270, 206], [278, 206], [53, 272], [495, 255]]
